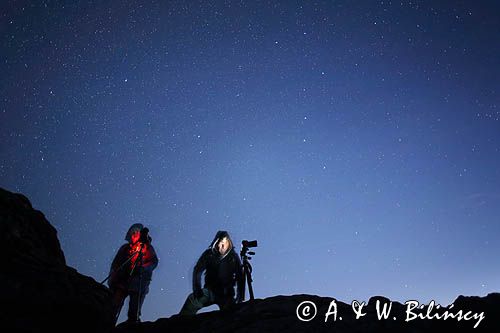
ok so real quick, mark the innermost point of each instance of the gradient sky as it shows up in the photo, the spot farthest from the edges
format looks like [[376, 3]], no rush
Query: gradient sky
[[358, 141]]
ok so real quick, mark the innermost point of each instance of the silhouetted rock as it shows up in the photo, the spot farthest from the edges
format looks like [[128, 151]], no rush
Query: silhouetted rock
[[39, 292], [279, 314]]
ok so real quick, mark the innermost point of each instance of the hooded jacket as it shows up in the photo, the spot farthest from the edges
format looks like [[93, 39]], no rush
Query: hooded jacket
[[221, 272], [128, 276]]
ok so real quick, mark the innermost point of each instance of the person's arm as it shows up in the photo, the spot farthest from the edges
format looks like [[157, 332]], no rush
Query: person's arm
[[119, 257], [200, 266], [150, 261], [116, 264]]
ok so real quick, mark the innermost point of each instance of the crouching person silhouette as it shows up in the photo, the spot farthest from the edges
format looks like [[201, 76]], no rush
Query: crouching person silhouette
[[223, 270], [131, 272]]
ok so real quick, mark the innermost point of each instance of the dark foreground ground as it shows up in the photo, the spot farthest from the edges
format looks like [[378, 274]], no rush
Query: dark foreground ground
[[279, 314]]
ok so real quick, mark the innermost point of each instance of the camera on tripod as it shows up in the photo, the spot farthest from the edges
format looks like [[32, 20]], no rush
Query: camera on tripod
[[247, 267]]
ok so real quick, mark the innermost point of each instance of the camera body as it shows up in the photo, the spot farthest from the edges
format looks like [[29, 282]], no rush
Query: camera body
[[249, 244], [144, 238]]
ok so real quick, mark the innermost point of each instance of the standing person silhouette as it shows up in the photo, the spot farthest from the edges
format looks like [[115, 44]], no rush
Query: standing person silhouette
[[131, 272]]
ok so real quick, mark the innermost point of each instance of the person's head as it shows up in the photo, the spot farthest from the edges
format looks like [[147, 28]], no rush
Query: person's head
[[222, 243], [134, 233], [134, 236]]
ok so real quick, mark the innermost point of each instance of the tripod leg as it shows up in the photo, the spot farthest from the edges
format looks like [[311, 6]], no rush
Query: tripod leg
[[119, 267], [250, 288], [248, 279], [140, 292], [140, 298]]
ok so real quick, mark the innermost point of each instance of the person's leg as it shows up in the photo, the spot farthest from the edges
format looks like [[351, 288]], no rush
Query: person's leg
[[117, 298], [133, 307], [135, 304], [225, 303], [144, 292], [193, 304]]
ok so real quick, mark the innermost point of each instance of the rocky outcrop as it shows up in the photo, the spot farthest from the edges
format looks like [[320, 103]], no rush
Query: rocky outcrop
[[39, 292], [279, 314]]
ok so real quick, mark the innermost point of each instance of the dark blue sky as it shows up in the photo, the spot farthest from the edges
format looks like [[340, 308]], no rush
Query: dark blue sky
[[358, 141]]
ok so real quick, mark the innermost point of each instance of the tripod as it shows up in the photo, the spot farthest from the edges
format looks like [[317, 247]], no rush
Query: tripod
[[247, 270], [139, 261]]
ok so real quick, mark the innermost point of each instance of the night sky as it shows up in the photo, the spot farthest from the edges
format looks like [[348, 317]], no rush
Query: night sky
[[357, 141]]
